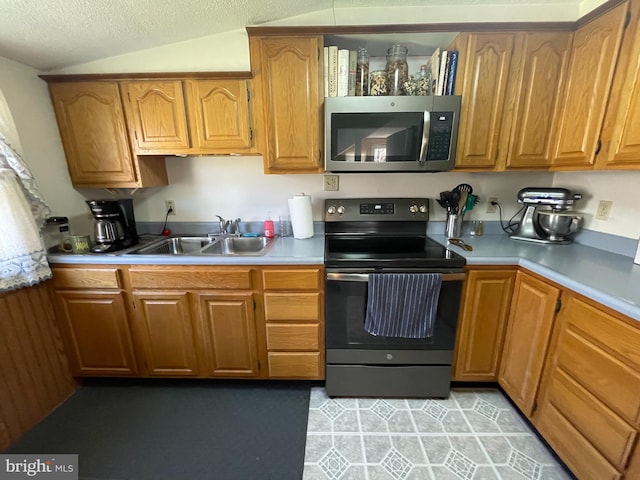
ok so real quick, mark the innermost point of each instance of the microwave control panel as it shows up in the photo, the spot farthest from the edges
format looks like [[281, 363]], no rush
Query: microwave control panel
[[440, 132]]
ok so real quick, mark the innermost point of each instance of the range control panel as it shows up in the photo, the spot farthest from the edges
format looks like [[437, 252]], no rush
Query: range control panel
[[376, 209]]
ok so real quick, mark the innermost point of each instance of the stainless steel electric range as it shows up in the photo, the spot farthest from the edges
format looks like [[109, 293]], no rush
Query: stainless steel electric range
[[385, 235]]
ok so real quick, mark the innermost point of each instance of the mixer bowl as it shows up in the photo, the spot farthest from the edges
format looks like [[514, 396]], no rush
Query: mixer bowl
[[559, 225]]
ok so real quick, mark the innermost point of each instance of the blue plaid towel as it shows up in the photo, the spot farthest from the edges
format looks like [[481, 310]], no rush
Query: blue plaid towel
[[402, 304]]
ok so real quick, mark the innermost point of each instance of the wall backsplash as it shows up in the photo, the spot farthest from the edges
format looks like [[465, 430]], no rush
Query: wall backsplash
[[204, 187]]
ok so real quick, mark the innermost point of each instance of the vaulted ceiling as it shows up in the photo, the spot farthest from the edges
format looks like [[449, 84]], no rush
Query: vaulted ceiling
[[50, 34]]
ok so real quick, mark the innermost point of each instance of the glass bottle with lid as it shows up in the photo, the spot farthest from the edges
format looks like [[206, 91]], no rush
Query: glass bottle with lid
[[423, 81], [362, 73], [397, 69]]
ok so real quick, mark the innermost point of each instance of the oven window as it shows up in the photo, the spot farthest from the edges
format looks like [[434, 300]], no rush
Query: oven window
[[376, 137], [346, 303]]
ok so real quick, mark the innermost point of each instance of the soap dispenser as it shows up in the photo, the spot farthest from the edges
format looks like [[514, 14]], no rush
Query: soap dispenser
[[268, 228]]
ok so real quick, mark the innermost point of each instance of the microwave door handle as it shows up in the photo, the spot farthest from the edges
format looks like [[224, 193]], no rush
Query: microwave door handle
[[426, 126]]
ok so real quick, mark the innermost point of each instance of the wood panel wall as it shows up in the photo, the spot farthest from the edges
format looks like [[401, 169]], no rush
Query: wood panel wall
[[34, 375]]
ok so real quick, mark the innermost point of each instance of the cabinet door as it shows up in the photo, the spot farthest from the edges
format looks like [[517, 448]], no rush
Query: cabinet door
[[92, 127], [219, 115], [536, 85], [288, 81], [621, 135], [96, 331], [593, 59], [157, 116], [527, 338], [589, 407], [485, 73], [485, 309], [166, 333], [229, 327]]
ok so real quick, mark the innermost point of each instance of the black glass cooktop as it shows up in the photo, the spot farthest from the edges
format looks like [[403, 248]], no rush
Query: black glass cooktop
[[389, 252]]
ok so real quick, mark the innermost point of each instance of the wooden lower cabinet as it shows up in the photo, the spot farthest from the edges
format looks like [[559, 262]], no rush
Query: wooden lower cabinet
[[92, 315], [229, 327], [95, 330], [166, 332], [589, 406], [483, 318], [531, 318], [294, 326], [195, 320]]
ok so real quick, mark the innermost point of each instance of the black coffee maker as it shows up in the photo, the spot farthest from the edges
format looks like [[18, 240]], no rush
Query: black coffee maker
[[115, 227]]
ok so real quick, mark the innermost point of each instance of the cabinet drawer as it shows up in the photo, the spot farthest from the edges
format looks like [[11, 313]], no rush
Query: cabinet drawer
[[291, 306], [86, 277], [609, 433], [299, 279], [192, 278], [293, 337], [601, 353], [293, 365]]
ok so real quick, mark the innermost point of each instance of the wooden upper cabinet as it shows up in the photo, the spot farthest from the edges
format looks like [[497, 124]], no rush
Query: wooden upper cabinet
[[288, 102], [529, 327], [536, 86], [94, 136], [485, 61], [485, 309], [157, 115], [219, 115], [621, 133], [593, 59]]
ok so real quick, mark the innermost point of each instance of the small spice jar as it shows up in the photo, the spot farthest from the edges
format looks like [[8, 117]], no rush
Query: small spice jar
[[378, 83]]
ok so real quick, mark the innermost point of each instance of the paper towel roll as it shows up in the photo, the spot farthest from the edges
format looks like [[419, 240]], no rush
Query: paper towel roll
[[301, 217]]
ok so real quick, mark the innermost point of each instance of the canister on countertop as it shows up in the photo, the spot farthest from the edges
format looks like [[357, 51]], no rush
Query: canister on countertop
[[55, 232]]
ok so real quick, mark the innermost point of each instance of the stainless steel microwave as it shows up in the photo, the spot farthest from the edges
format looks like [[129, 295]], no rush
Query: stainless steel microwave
[[391, 134]]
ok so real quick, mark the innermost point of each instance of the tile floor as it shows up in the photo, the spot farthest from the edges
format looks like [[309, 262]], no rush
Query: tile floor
[[472, 435]]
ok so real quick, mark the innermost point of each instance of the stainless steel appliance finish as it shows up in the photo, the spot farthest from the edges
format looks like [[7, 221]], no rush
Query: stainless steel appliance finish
[[540, 221], [388, 235], [391, 134], [115, 225]]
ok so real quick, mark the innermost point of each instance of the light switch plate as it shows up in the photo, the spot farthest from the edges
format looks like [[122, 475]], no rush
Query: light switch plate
[[637, 259]]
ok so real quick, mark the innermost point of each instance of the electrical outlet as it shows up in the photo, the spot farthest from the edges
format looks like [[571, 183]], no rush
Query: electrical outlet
[[331, 183], [490, 207], [170, 205], [604, 209]]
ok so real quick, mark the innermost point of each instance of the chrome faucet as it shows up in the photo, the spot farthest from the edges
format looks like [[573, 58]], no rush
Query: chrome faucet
[[229, 227], [224, 225]]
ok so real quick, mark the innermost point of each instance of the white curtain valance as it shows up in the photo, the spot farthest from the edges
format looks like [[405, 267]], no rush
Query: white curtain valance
[[23, 258]]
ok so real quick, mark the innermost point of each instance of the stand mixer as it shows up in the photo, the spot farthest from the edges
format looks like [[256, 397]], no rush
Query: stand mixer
[[547, 218]]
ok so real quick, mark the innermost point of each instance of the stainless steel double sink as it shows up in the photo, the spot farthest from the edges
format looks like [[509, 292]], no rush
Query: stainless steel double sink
[[217, 245]]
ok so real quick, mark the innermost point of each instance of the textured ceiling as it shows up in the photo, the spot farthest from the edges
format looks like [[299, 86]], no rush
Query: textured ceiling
[[50, 34]]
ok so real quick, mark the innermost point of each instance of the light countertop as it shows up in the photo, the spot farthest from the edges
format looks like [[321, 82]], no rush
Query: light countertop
[[285, 250], [608, 278]]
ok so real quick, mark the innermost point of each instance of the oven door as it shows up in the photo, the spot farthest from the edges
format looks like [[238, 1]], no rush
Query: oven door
[[348, 342]]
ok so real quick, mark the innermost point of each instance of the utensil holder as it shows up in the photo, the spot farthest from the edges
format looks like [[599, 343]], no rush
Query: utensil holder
[[453, 229]]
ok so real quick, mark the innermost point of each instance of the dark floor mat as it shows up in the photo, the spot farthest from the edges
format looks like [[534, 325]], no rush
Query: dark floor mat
[[157, 430]]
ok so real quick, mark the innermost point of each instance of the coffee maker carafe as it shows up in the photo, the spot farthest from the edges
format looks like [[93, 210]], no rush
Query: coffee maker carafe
[[115, 227]]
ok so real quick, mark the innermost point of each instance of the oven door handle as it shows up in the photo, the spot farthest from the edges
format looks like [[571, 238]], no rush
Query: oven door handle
[[364, 277]]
